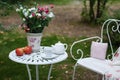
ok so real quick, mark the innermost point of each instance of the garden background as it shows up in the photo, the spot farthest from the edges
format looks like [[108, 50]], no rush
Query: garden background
[[68, 25]]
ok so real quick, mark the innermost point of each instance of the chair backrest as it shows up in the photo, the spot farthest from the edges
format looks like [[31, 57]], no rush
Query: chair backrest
[[109, 27]]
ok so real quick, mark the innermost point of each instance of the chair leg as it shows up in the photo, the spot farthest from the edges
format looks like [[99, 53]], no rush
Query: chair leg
[[74, 71], [103, 77]]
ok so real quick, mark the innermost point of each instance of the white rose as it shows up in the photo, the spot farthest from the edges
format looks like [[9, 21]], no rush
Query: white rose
[[21, 7], [51, 15], [32, 9], [26, 13], [44, 14], [17, 10], [24, 19], [30, 16], [24, 10], [38, 14]]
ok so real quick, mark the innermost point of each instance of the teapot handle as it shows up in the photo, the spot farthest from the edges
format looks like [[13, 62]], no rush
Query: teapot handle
[[66, 46]]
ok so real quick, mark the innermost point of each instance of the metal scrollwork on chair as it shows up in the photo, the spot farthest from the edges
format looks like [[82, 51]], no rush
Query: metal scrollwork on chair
[[80, 51], [115, 27]]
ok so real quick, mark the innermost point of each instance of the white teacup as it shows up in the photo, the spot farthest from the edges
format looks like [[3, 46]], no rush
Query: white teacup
[[48, 51]]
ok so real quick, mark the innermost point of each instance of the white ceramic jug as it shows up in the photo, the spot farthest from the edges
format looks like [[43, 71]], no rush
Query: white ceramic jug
[[59, 48]]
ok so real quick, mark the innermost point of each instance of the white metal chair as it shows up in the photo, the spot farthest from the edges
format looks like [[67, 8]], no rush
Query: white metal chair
[[97, 65]]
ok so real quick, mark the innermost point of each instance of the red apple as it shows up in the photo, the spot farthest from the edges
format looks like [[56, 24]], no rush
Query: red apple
[[19, 51], [28, 50]]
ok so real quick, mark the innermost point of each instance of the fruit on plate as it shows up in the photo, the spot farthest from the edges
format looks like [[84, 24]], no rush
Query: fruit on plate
[[19, 51], [27, 49]]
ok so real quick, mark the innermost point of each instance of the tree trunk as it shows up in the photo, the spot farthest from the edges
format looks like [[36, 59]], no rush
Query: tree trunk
[[91, 11], [100, 7]]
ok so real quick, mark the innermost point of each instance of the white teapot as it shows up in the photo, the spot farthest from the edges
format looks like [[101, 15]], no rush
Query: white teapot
[[59, 48]]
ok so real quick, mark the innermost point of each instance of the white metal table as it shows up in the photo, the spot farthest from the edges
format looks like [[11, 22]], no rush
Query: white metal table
[[37, 59]]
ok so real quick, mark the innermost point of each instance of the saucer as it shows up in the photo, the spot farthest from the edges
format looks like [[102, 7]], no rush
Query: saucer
[[48, 57], [58, 53]]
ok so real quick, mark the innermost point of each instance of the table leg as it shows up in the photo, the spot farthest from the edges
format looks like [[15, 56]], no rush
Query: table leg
[[29, 74], [50, 71], [37, 73]]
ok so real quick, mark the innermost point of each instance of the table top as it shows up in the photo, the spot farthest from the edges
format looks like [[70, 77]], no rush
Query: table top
[[37, 58]]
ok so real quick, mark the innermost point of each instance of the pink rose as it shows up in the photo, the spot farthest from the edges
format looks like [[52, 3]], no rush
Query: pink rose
[[40, 9], [51, 6], [33, 14], [46, 9]]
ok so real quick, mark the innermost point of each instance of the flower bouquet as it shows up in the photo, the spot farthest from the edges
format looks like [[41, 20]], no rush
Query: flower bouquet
[[35, 18]]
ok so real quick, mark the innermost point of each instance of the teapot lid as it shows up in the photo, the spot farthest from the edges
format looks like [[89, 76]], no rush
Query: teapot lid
[[58, 43]]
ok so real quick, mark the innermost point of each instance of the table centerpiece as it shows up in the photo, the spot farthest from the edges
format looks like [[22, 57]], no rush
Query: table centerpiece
[[35, 19]]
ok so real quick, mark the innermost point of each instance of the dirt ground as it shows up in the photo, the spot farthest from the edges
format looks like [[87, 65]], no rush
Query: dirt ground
[[66, 22]]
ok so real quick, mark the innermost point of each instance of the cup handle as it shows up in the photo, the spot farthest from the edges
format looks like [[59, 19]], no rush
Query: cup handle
[[66, 46]]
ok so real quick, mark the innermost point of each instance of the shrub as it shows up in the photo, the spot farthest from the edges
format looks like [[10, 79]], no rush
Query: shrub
[[116, 14], [5, 8], [12, 1]]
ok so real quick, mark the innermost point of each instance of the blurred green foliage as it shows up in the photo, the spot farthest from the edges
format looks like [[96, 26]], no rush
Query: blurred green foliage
[[107, 13], [7, 6], [57, 2]]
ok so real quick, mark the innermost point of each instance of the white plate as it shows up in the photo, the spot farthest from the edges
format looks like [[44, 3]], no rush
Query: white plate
[[48, 57], [58, 53]]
